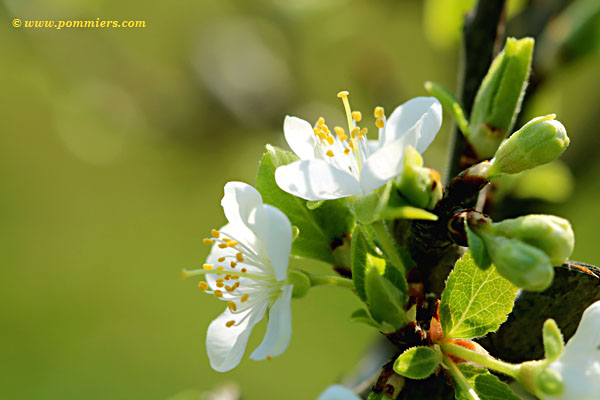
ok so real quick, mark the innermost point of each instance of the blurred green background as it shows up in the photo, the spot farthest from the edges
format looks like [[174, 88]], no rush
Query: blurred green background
[[115, 146]]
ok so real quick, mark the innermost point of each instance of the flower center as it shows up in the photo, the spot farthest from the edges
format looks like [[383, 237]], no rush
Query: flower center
[[242, 274], [346, 151]]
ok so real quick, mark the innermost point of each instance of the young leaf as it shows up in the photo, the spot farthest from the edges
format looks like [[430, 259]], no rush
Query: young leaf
[[553, 340], [362, 315], [358, 261], [318, 227], [475, 301], [486, 385], [451, 104], [418, 362], [386, 302], [477, 248]]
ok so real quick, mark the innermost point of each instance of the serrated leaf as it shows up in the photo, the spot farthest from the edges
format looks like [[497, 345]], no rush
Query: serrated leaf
[[475, 301], [418, 362], [486, 385], [477, 248], [362, 315], [318, 227]]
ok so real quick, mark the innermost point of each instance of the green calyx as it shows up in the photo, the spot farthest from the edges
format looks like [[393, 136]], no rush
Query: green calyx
[[421, 186]]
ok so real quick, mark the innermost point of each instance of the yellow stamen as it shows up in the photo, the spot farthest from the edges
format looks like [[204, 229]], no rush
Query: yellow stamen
[[203, 285], [219, 280], [268, 358], [343, 93], [379, 123], [355, 131], [234, 277], [233, 264], [226, 240], [221, 259], [229, 324], [208, 266], [329, 153], [239, 257], [237, 284], [363, 132], [330, 140], [218, 293], [215, 233], [207, 241], [222, 245], [320, 121], [220, 285], [346, 151], [351, 144], [378, 113], [232, 243], [244, 297], [232, 306], [244, 270], [227, 277], [356, 115], [229, 288]]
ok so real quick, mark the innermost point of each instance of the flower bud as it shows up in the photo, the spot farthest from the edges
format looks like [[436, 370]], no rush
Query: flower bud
[[538, 142], [553, 235], [524, 265], [421, 186], [499, 97]]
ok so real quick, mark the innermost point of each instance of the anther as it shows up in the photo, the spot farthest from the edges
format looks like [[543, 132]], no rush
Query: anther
[[346, 151], [343, 93], [220, 280], [215, 233], [208, 266], [244, 297], [356, 115], [207, 241], [239, 257], [222, 245], [268, 358], [378, 113], [244, 270], [329, 153], [232, 243], [355, 131], [320, 121], [221, 259], [220, 284], [229, 324], [339, 130], [218, 293], [233, 264], [203, 285], [330, 140], [232, 306], [379, 123], [363, 132], [229, 288]]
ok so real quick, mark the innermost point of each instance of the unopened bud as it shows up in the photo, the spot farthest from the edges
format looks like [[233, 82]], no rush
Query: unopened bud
[[499, 97], [524, 265], [549, 382], [421, 186], [553, 235], [538, 142]]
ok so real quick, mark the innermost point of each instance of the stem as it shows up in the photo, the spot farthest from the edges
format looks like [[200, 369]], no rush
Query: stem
[[487, 361], [388, 245], [331, 280], [460, 379]]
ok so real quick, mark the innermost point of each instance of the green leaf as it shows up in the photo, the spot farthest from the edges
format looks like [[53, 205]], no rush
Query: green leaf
[[385, 300], [362, 315], [475, 301], [407, 212], [486, 385], [418, 362], [318, 227], [477, 248], [451, 104]]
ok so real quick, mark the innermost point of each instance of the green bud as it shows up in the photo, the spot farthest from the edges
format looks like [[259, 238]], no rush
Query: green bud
[[524, 265], [300, 281], [553, 340], [538, 142], [549, 382], [499, 97], [553, 235], [421, 186]]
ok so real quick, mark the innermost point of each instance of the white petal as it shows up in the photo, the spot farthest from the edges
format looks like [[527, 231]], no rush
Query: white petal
[[299, 135], [225, 346], [386, 163], [580, 372], [239, 200], [588, 332], [316, 180], [274, 229], [338, 392], [279, 329], [426, 110], [373, 146]]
